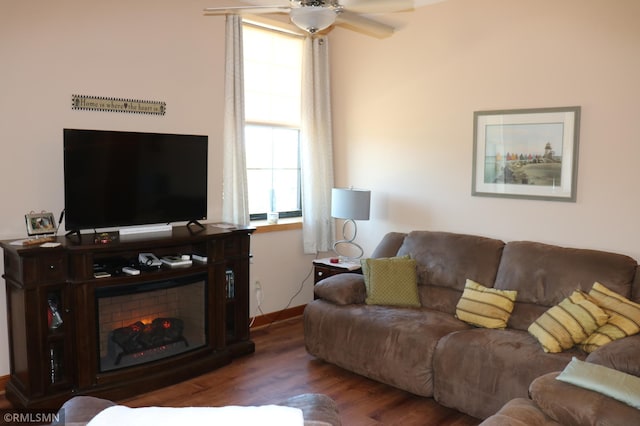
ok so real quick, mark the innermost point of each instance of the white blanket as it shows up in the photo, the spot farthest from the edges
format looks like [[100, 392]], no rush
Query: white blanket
[[266, 415]]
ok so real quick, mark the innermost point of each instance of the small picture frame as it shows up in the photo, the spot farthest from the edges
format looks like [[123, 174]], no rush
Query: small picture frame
[[40, 223]]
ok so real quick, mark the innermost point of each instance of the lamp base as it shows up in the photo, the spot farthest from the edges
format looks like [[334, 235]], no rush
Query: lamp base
[[348, 242], [343, 255]]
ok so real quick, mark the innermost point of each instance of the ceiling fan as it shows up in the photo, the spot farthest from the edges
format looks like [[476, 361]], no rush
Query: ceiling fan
[[314, 16]]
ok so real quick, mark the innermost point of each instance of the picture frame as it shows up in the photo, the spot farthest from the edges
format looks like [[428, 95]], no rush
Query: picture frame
[[526, 153], [40, 223]]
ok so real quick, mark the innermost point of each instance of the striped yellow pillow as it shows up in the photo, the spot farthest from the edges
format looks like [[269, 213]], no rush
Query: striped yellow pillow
[[624, 318], [485, 307], [568, 323]]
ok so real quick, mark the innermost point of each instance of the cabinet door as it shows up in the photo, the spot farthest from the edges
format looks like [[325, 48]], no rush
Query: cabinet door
[[236, 289], [57, 350]]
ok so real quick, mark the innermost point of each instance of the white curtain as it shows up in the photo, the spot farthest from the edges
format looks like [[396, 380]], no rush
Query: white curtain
[[316, 147], [235, 199]]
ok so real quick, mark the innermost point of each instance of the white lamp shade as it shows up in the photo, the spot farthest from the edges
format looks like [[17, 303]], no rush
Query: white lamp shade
[[312, 18], [350, 203]]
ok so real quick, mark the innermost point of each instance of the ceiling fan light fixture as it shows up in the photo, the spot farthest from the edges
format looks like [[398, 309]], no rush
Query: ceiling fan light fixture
[[312, 18]]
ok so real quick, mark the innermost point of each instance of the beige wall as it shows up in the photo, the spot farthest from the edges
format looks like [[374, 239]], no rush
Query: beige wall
[[147, 49], [403, 116], [403, 111]]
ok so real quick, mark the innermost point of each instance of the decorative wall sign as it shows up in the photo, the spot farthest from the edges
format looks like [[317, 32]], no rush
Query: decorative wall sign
[[134, 106], [530, 153]]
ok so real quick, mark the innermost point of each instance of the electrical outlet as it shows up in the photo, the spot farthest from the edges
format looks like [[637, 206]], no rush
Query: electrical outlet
[[258, 288]]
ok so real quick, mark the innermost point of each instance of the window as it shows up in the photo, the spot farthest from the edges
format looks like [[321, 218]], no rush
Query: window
[[272, 90]]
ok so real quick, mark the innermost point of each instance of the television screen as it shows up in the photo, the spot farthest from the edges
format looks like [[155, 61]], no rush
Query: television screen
[[114, 179]]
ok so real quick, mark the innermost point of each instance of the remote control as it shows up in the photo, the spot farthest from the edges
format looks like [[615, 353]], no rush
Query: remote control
[[199, 258], [130, 271]]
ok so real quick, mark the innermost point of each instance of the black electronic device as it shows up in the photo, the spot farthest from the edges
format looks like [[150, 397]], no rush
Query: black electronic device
[[117, 179], [176, 261], [149, 260], [130, 270]]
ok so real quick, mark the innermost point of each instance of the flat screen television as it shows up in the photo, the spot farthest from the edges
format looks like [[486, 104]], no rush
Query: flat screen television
[[122, 179]]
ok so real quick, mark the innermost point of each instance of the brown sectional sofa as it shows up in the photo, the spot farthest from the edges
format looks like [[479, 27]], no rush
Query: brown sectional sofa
[[557, 403], [429, 352]]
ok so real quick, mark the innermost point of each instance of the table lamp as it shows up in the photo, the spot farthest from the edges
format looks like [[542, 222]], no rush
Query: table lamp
[[350, 204]]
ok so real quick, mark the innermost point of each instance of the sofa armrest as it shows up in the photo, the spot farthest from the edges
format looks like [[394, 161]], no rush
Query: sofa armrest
[[79, 410], [318, 410], [621, 355], [342, 289], [573, 405], [519, 412]]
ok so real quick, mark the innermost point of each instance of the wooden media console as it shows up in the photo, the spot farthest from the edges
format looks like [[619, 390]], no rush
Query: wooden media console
[[62, 327]]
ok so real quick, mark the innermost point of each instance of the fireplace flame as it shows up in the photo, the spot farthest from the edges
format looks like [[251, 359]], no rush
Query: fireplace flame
[[139, 336]]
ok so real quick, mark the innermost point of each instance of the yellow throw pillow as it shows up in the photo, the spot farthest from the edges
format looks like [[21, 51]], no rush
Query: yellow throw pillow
[[568, 323], [391, 281], [485, 307], [364, 263], [624, 318]]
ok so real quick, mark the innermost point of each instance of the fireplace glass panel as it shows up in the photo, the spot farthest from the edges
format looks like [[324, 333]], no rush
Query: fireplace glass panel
[[141, 323]]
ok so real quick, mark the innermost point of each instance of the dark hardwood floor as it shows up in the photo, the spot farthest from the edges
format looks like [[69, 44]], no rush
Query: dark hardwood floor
[[281, 368]]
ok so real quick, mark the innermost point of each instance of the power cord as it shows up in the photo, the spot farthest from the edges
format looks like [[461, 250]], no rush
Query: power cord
[[259, 299], [279, 313]]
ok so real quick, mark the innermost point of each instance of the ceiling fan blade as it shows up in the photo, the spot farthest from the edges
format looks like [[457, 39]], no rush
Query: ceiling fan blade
[[364, 25], [245, 10], [377, 6]]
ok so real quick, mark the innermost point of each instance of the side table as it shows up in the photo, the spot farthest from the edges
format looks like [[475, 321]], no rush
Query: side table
[[323, 268]]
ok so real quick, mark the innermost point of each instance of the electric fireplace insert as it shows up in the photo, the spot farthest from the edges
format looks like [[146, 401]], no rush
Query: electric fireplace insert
[[144, 322]]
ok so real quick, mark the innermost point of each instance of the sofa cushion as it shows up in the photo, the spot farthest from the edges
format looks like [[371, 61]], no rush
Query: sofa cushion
[[568, 323], [485, 307], [388, 344], [477, 371], [446, 260], [572, 405], [391, 281], [624, 318], [545, 274]]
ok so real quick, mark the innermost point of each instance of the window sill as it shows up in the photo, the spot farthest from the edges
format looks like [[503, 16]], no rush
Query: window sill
[[283, 225]]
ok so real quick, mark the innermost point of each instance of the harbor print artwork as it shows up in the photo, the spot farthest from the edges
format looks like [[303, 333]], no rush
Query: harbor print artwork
[[526, 153]]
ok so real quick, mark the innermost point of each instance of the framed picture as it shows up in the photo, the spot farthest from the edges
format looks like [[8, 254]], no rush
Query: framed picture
[[40, 223], [527, 153]]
